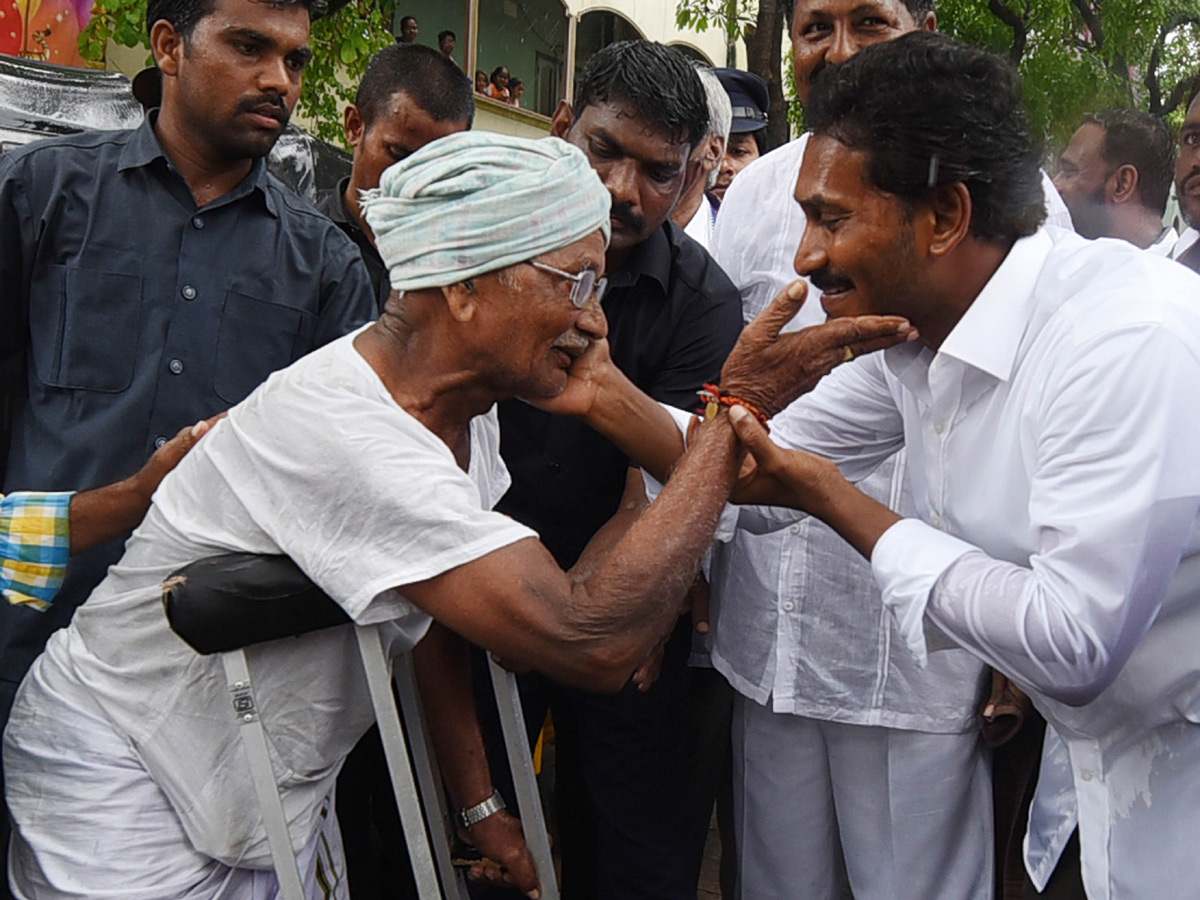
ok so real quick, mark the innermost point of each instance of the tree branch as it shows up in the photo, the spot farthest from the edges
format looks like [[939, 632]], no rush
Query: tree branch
[[1091, 20], [1017, 23]]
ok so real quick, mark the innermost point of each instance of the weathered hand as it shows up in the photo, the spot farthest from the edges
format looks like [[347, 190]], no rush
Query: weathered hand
[[584, 381], [779, 477], [506, 856], [770, 369]]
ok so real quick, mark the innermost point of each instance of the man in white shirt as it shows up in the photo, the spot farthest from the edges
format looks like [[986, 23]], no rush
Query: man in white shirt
[[1049, 420], [1115, 175], [827, 697], [1187, 185], [374, 464], [694, 212]]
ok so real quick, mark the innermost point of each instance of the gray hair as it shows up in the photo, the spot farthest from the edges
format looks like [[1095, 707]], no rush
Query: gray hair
[[720, 111]]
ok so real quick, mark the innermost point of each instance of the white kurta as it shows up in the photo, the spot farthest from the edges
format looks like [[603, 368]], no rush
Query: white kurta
[[700, 227], [1052, 448], [1189, 237], [322, 465]]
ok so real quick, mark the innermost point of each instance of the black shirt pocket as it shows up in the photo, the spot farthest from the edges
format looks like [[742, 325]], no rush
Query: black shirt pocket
[[84, 326], [256, 337]]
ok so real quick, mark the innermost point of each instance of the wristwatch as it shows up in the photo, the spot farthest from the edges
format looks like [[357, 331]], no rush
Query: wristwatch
[[473, 815]]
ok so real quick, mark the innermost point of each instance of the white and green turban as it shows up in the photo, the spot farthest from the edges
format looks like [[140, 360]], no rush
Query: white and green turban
[[474, 202]]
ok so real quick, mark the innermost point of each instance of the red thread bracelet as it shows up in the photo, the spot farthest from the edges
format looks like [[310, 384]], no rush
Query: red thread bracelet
[[714, 398]]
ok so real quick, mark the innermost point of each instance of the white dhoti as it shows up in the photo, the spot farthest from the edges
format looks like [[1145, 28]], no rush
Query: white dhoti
[[909, 812], [89, 822]]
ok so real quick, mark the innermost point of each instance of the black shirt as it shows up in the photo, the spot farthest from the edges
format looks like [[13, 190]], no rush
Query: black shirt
[[138, 313], [333, 204], [673, 316]]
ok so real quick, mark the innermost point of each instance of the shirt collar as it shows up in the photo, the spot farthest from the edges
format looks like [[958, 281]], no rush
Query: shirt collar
[[143, 148], [651, 258], [989, 334]]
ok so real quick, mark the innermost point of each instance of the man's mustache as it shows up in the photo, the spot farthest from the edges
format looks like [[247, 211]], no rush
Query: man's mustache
[[624, 214], [266, 105], [826, 281]]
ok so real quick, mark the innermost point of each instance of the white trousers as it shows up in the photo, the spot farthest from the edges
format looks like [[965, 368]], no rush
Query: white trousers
[[89, 822], [901, 815]]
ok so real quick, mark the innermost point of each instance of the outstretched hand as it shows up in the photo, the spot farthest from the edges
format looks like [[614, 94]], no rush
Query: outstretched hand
[[771, 369]]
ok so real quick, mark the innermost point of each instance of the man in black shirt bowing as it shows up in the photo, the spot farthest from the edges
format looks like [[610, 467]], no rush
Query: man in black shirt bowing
[[673, 316]]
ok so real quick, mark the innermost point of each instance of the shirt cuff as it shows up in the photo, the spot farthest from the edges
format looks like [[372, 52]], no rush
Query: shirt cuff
[[908, 560], [35, 543]]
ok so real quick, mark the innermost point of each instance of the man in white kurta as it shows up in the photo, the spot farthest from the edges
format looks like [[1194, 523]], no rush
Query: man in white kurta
[[1051, 438]]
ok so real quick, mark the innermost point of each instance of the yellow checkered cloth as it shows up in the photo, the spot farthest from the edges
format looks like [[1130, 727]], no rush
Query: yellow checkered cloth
[[35, 541]]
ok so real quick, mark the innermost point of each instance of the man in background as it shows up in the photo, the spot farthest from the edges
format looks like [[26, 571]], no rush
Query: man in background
[[410, 95], [1187, 185], [409, 29], [446, 42], [694, 212], [1115, 175], [751, 103]]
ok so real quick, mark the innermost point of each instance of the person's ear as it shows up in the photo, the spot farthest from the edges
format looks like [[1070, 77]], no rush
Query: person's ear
[[1122, 184], [562, 120], [353, 125], [714, 152], [167, 46], [461, 300], [950, 211]]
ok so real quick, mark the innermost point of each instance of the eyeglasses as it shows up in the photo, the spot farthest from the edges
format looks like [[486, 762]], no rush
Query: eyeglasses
[[586, 283]]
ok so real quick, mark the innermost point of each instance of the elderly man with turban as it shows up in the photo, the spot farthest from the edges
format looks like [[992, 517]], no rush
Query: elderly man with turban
[[373, 463]]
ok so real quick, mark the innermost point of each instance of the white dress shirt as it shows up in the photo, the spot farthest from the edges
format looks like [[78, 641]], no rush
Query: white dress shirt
[[1052, 445]]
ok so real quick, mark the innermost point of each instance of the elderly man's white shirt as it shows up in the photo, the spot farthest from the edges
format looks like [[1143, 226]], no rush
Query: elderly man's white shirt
[[320, 463], [1052, 448]]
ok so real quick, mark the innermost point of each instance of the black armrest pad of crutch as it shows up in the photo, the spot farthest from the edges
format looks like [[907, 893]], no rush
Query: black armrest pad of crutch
[[225, 602]]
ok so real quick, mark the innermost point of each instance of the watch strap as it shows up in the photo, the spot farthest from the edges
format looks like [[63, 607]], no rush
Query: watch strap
[[473, 815]]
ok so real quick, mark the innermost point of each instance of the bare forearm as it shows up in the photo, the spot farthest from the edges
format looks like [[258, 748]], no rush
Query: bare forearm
[[443, 664], [859, 519], [106, 513], [634, 593]]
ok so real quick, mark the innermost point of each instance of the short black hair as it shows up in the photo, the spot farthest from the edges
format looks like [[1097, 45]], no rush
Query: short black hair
[[442, 35], [929, 111], [412, 19], [184, 14], [1138, 139], [434, 82], [657, 81]]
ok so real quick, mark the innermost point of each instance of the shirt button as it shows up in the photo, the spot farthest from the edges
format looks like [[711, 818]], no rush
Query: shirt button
[[788, 606], [936, 521], [197, 222], [795, 529], [159, 441], [189, 292], [1085, 775], [176, 366], [939, 426]]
